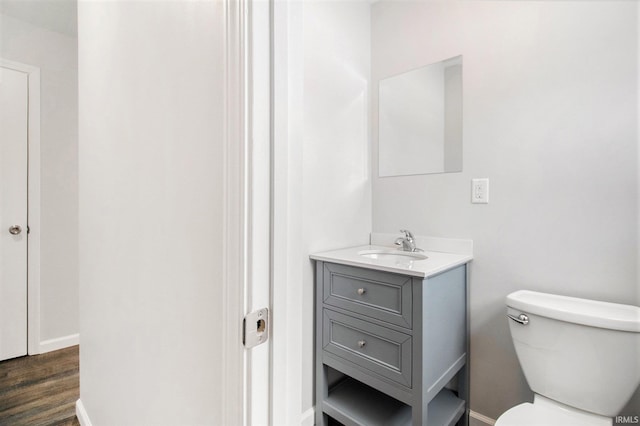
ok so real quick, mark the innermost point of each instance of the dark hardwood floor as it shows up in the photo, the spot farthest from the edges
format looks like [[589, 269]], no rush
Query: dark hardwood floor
[[40, 390]]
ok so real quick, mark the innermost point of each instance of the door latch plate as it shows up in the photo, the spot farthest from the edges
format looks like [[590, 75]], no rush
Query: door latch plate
[[256, 328]]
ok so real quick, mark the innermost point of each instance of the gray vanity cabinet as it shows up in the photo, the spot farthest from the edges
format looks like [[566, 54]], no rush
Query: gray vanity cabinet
[[391, 349]]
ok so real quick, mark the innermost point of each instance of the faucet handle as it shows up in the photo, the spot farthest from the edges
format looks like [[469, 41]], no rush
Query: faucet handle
[[407, 234]]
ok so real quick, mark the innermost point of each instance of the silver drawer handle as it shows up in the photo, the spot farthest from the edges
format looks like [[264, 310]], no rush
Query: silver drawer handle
[[520, 319], [361, 343], [15, 229], [361, 291]]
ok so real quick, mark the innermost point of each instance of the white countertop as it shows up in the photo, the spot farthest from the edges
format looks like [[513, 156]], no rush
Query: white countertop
[[435, 263]]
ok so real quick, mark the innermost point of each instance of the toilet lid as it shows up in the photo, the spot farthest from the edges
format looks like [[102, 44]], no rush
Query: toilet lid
[[528, 414]]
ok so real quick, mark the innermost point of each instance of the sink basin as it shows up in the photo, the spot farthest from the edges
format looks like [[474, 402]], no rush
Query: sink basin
[[392, 255]]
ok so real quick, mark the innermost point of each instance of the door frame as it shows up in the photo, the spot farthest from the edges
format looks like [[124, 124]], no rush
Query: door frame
[[246, 210], [287, 251], [33, 201], [235, 212]]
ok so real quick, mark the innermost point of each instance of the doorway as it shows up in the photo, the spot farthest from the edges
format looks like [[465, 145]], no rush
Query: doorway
[[19, 209]]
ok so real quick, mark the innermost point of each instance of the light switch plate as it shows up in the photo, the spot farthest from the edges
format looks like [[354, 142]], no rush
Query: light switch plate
[[480, 191]]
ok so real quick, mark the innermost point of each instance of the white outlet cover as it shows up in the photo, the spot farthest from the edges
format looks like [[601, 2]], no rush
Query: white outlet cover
[[480, 191]]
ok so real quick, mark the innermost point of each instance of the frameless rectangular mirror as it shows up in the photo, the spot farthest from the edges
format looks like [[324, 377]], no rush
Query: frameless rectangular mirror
[[420, 120]]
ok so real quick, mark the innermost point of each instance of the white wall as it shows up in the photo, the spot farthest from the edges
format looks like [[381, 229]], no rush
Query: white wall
[[151, 211], [56, 56], [550, 117], [330, 175]]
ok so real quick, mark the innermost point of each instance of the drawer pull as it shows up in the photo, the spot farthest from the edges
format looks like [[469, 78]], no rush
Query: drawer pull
[[361, 343], [361, 291]]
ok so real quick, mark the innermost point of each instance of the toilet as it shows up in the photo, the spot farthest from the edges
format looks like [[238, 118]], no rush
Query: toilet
[[581, 358]]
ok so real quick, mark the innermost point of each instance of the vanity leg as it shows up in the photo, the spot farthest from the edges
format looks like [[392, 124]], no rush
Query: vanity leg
[[322, 371], [322, 393], [463, 393], [464, 374], [321, 419], [419, 413]]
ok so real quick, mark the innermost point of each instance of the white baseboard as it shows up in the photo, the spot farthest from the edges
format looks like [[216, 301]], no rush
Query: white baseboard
[[81, 414], [477, 419], [59, 343], [308, 417]]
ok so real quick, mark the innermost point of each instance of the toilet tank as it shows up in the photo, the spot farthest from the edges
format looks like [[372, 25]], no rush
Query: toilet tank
[[582, 353]]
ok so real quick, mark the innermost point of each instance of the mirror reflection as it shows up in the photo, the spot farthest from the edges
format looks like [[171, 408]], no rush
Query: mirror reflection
[[420, 120]]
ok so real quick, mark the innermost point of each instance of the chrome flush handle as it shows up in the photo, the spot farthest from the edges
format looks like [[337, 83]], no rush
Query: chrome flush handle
[[520, 319]]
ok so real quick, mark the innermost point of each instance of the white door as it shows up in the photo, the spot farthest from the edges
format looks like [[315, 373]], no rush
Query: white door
[[13, 213]]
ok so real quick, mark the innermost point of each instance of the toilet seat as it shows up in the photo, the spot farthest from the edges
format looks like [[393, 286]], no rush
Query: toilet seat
[[546, 414]]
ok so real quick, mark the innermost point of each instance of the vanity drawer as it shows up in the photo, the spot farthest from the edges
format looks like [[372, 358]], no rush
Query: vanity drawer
[[376, 294], [378, 349]]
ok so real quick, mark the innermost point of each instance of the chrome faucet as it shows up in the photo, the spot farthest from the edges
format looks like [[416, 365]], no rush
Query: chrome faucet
[[407, 242]]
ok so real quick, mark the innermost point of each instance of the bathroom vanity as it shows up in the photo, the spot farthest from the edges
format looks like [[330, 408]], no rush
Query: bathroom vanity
[[391, 337]]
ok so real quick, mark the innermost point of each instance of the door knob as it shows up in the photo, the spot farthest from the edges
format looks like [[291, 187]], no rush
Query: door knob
[[15, 229]]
